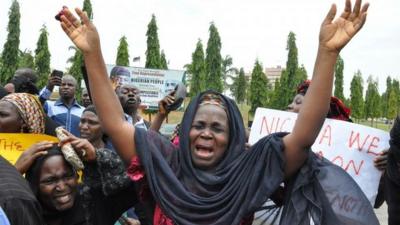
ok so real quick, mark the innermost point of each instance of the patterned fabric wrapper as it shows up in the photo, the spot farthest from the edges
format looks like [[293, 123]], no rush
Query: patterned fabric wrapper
[[30, 110]]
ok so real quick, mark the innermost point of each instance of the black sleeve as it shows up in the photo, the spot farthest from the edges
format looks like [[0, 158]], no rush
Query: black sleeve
[[22, 212]]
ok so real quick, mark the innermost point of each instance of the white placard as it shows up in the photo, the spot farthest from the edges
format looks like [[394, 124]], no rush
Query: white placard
[[348, 145]]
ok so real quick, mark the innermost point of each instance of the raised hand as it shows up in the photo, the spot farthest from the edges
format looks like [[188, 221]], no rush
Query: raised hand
[[335, 34], [84, 35]]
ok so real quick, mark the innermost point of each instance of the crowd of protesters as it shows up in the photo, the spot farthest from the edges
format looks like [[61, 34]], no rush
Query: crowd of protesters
[[205, 174]]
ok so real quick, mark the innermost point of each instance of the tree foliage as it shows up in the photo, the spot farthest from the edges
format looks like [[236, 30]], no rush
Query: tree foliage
[[122, 53], [153, 58], [228, 71], [339, 66], [372, 98], [163, 61], [214, 61], [392, 99], [258, 88], [197, 70], [26, 59], [9, 56], [290, 78], [87, 7], [42, 57], [385, 97], [239, 87], [356, 96]]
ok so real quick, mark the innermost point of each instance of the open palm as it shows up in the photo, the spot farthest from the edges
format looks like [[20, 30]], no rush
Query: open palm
[[334, 35], [84, 35]]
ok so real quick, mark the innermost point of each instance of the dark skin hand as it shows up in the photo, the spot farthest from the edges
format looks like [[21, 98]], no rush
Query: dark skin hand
[[82, 147], [380, 162], [162, 111], [53, 81], [29, 156]]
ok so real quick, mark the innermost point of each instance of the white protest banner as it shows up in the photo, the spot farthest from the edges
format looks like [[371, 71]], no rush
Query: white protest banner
[[350, 146], [153, 84]]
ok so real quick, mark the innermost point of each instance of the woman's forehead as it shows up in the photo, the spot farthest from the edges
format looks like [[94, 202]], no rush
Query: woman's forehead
[[53, 164], [211, 111], [7, 106]]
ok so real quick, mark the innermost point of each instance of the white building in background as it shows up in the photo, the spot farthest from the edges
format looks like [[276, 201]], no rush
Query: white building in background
[[272, 73]]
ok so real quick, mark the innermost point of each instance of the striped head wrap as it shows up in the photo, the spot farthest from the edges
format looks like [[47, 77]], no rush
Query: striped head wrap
[[212, 99], [30, 110]]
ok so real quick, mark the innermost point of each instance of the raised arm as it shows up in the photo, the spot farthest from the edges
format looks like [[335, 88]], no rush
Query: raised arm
[[84, 35], [334, 35]]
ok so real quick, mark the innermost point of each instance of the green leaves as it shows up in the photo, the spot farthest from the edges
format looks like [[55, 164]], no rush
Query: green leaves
[[9, 56], [42, 57], [122, 53], [153, 58], [214, 61], [259, 88]]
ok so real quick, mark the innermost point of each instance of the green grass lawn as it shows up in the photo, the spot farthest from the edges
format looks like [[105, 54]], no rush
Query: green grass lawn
[[378, 125]]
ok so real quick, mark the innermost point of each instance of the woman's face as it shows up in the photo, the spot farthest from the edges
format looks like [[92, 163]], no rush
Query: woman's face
[[295, 106], [10, 120], [90, 127], [209, 136], [57, 184]]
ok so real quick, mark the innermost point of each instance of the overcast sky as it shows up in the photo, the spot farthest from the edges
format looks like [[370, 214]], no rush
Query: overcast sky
[[249, 30]]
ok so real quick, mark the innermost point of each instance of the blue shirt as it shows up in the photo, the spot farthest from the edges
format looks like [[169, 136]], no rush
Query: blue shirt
[[69, 117], [3, 218]]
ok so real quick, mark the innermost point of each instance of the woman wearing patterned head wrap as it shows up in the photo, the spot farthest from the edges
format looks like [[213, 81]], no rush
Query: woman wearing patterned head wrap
[[28, 116], [23, 113]]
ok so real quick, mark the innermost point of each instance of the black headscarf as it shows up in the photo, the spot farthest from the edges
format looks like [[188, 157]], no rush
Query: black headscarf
[[241, 182], [33, 174]]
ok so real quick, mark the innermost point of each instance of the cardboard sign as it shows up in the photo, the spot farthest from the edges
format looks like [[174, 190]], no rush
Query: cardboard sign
[[351, 146], [12, 145]]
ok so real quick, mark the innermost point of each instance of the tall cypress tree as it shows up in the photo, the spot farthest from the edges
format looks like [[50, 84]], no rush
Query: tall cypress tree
[[385, 97], [214, 60], [9, 56], [122, 53], [153, 58], [392, 109], [197, 70], [371, 109], [356, 96], [239, 87], [42, 57], [339, 66], [291, 76], [163, 61], [258, 88]]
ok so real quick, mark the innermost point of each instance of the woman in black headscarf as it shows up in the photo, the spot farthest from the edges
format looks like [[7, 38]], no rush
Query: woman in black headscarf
[[101, 198], [211, 179]]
